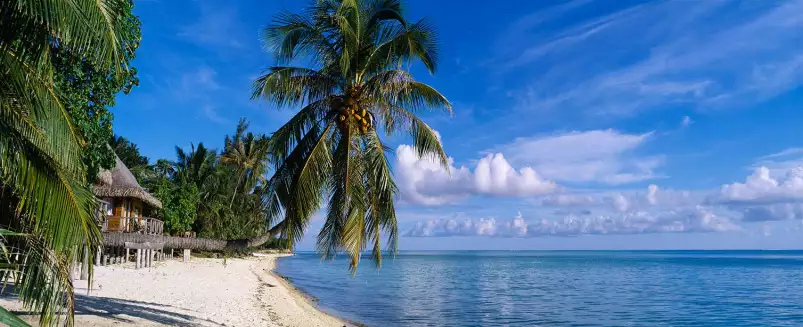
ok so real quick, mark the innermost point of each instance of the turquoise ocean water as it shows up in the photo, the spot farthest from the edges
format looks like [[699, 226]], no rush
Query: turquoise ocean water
[[560, 288]]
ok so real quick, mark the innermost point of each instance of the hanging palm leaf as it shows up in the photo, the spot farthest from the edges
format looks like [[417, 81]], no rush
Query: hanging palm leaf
[[44, 202]]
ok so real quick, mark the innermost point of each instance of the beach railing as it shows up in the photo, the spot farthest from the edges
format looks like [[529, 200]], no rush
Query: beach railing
[[142, 225]]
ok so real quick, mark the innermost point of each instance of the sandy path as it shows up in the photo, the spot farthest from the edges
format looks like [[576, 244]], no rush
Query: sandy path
[[201, 292]]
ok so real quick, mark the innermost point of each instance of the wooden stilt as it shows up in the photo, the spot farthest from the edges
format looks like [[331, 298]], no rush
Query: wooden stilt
[[85, 265], [97, 255], [127, 255], [139, 259]]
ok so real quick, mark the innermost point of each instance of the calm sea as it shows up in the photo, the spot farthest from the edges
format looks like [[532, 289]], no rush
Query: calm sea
[[561, 288]]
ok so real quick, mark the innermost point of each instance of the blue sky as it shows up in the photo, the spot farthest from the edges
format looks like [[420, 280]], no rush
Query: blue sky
[[577, 125]]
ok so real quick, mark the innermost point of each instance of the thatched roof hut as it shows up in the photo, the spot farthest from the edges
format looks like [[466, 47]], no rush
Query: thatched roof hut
[[119, 182]]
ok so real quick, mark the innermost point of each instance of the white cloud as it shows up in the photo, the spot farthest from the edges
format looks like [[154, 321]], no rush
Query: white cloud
[[601, 156], [424, 181], [697, 219], [765, 198], [781, 162], [761, 188], [686, 122]]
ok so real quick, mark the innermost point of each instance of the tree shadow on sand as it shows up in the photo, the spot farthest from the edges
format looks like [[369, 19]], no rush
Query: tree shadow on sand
[[120, 310], [125, 311]]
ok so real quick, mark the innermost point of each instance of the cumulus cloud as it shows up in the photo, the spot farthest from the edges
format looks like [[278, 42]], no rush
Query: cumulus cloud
[[425, 181], [697, 219], [764, 198], [761, 188], [600, 156]]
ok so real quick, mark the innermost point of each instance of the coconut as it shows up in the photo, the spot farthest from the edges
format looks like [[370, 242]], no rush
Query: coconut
[[342, 118]]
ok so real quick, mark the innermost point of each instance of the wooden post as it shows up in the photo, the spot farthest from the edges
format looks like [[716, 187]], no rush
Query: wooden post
[[97, 256], [139, 259], [171, 254], [127, 255], [85, 265], [186, 255]]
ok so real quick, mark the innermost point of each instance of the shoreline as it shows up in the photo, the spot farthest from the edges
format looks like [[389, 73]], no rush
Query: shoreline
[[202, 292], [309, 298]]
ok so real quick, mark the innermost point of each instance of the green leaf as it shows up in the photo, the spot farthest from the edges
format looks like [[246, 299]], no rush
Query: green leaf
[[11, 320]]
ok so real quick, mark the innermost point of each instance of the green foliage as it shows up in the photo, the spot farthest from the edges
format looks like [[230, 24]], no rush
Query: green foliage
[[215, 195], [354, 86], [231, 186], [180, 204], [127, 152], [44, 203], [276, 244], [87, 91]]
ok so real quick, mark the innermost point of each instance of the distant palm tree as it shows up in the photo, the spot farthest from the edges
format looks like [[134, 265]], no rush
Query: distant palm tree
[[127, 152], [197, 166], [248, 154], [357, 82], [46, 210], [129, 155]]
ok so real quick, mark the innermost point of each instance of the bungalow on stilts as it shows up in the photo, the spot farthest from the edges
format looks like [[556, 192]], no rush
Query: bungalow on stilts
[[127, 208]]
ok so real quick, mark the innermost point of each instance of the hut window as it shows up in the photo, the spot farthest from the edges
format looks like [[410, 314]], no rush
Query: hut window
[[104, 207]]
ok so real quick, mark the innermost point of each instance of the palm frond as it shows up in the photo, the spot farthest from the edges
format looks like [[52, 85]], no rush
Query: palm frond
[[402, 44], [398, 87], [381, 215], [397, 119], [285, 86], [292, 35], [91, 28]]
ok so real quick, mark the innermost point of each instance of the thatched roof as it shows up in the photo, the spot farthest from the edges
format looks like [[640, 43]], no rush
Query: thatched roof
[[119, 182]]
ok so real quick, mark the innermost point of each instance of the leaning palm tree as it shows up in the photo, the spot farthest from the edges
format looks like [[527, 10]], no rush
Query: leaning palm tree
[[356, 84], [46, 210]]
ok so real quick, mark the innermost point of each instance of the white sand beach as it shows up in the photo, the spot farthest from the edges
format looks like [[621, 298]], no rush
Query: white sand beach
[[201, 292]]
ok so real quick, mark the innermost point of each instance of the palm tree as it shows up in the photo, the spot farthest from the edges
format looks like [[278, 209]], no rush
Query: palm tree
[[197, 166], [356, 83], [46, 210], [248, 154], [129, 154]]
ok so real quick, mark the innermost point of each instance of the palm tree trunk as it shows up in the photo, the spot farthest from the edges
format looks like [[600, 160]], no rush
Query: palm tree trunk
[[205, 244], [172, 242], [236, 186]]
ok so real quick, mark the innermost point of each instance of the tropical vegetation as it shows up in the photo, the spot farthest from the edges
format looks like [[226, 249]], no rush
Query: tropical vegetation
[[47, 141], [345, 65], [216, 194]]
